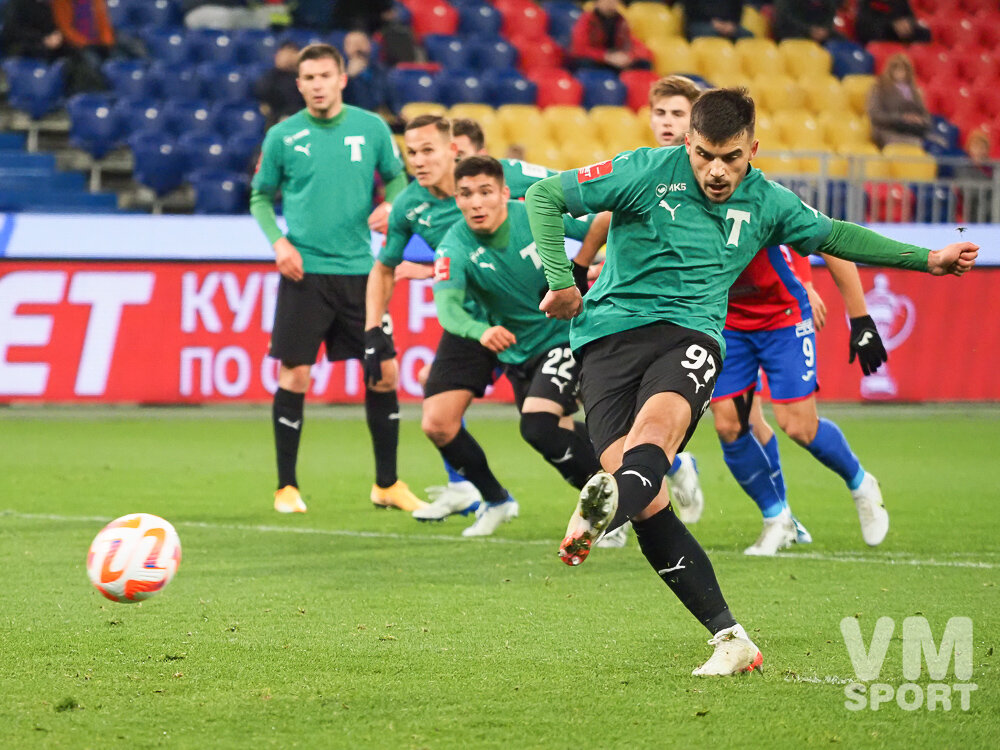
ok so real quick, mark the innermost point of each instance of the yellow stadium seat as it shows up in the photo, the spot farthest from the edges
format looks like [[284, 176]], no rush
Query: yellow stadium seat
[[648, 139], [581, 152], [672, 55], [759, 57], [713, 54], [616, 124], [415, 109], [857, 86], [562, 120], [729, 78], [777, 93], [843, 128], [521, 122], [804, 57], [909, 162], [768, 134], [755, 22], [652, 21], [481, 113], [772, 163], [824, 93], [868, 161], [543, 152], [799, 130], [836, 166]]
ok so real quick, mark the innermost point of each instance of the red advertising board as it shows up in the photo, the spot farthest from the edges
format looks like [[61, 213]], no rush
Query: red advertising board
[[159, 332]]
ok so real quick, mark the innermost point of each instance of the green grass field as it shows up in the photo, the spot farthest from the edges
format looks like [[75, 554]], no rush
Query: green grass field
[[351, 627]]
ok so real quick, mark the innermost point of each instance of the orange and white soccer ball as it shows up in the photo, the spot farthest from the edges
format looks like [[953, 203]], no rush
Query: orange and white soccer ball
[[133, 557]]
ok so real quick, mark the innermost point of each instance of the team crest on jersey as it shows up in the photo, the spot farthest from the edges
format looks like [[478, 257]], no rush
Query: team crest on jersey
[[585, 174], [442, 268]]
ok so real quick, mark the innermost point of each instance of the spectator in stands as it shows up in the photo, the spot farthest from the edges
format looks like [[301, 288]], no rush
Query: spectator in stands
[[30, 31], [714, 18], [368, 16], [366, 80], [978, 178], [896, 106], [602, 39], [888, 21], [231, 14], [805, 19], [277, 90]]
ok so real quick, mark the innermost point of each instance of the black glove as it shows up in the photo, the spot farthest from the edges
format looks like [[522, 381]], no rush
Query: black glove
[[378, 347], [867, 345], [580, 277]]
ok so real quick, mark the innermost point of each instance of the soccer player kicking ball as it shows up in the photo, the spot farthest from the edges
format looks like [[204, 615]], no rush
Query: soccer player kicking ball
[[490, 259], [323, 160], [686, 221]]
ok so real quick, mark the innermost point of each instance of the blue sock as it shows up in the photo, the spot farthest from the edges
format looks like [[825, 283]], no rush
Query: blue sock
[[831, 449], [774, 458], [674, 466], [454, 476], [751, 469]]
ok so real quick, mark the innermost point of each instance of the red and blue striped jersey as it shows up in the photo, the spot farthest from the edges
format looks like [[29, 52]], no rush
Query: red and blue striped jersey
[[769, 293]]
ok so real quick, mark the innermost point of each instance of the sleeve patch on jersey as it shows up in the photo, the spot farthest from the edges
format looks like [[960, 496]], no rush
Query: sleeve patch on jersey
[[585, 174], [442, 269]]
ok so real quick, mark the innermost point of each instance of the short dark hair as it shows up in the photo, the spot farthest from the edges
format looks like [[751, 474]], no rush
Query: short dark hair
[[473, 166], [441, 124], [720, 115], [469, 128], [319, 52]]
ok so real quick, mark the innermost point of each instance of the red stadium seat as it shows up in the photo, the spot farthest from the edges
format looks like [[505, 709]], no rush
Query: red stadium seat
[[889, 202], [527, 21], [988, 23], [976, 65], [637, 84], [987, 95], [537, 53], [556, 86], [951, 33], [933, 61], [435, 17], [882, 51]]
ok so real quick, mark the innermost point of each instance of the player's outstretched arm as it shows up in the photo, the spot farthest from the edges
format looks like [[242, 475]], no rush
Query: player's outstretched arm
[[453, 316], [954, 259], [865, 343], [851, 242]]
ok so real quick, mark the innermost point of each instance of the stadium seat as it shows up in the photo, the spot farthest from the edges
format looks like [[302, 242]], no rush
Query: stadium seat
[[175, 81], [563, 121], [756, 22], [484, 114], [542, 152], [650, 21], [935, 204], [714, 54], [407, 86], [142, 15], [767, 133], [169, 46], [933, 61], [521, 122], [492, 53], [538, 53], [758, 57], [158, 165], [850, 58], [462, 86], [220, 192], [799, 130], [556, 86], [436, 17], [243, 150], [416, 109], [449, 51], [509, 87], [824, 93], [253, 46], [889, 202], [183, 116], [867, 161], [223, 82], [601, 88], [563, 15], [637, 86], [978, 65], [672, 55], [804, 57], [140, 115], [480, 19], [528, 21], [238, 118], [204, 151], [35, 86], [842, 129], [778, 92], [617, 125], [882, 51], [944, 132], [130, 78], [580, 152], [908, 162], [960, 33], [857, 88], [302, 37], [776, 164], [95, 126], [987, 21]]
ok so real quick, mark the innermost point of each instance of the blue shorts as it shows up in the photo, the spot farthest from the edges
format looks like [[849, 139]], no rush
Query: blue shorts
[[786, 355]]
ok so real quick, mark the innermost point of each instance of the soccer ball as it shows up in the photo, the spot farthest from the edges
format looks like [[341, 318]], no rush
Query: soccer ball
[[133, 557]]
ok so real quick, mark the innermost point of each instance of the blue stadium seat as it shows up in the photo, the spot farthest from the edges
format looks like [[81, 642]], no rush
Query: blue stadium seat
[[463, 86], [239, 118], [169, 46], [509, 87], [243, 150], [492, 53], [933, 201], [130, 78], [204, 151], [563, 16], [850, 59], [95, 126], [220, 192], [601, 88], [224, 82], [35, 86], [152, 14], [402, 13], [945, 132], [158, 165], [135, 115], [407, 86], [449, 51], [479, 18], [254, 46], [302, 37], [210, 45], [182, 116], [175, 81]]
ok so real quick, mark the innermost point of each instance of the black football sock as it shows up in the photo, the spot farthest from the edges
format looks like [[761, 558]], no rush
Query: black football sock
[[639, 480], [286, 414], [469, 460], [683, 565], [571, 455], [382, 411]]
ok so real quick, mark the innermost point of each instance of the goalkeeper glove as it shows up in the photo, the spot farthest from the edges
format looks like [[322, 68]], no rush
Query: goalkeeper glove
[[866, 345], [580, 277], [378, 347]]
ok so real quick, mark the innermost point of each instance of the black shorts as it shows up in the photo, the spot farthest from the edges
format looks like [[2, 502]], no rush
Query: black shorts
[[322, 308], [554, 374], [461, 364], [622, 371]]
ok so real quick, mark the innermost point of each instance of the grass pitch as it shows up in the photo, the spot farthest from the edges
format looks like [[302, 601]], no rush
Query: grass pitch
[[351, 627]]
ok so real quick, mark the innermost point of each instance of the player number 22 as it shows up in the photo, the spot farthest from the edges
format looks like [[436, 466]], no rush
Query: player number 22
[[559, 363]]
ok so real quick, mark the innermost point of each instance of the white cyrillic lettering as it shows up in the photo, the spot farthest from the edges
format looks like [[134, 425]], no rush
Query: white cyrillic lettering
[[269, 368], [421, 304], [197, 303], [268, 300], [238, 385], [190, 355], [413, 359], [242, 303], [19, 288]]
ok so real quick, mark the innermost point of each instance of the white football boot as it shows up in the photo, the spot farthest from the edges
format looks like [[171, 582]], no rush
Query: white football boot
[[685, 489], [457, 497], [491, 515], [597, 506], [802, 535], [871, 511], [616, 538], [734, 653], [778, 533]]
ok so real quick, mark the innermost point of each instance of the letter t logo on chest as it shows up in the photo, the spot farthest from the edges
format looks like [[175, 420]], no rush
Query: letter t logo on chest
[[738, 218], [355, 142]]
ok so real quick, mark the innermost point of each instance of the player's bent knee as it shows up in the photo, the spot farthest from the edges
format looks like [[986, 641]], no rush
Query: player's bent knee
[[538, 429], [439, 431], [294, 378]]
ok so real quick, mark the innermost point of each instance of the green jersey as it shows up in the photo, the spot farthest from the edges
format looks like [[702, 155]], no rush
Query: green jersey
[[672, 254], [325, 170], [503, 274]]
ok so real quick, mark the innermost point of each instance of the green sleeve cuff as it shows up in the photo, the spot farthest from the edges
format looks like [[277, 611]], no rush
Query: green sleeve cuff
[[262, 209], [571, 193], [546, 204], [854, 243], [453, 316], [395, 186]]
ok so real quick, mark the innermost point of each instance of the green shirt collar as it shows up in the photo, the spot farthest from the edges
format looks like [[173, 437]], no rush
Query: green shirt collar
[[326, 123], [498, 239]]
